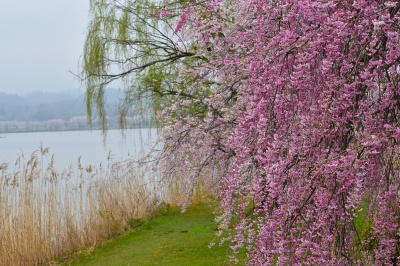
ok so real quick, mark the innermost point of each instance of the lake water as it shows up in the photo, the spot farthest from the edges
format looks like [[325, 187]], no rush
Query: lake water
[[67, 146]]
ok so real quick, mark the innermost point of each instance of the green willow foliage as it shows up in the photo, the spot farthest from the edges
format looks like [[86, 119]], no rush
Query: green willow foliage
[[129, 41]]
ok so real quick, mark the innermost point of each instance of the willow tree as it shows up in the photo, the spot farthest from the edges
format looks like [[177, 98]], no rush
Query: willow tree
[[135, 43]]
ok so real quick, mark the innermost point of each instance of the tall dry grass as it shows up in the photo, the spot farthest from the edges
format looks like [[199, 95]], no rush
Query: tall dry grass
[[45, 213]]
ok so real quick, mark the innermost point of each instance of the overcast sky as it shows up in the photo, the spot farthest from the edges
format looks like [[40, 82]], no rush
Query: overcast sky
[[41, 40]]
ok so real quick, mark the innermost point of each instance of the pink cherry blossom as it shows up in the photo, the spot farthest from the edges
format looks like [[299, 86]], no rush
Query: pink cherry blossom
[[293, 119]]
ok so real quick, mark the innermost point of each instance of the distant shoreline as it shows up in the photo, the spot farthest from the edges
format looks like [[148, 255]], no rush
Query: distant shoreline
[[75, 129]]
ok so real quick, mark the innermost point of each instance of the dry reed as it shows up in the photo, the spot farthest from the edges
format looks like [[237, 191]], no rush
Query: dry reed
[[45, 213]]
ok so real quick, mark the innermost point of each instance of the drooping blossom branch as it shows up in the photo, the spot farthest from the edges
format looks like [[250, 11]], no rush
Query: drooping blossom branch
[[300, 111]]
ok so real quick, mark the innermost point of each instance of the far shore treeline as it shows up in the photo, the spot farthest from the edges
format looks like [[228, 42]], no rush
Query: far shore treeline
[[58, 111]]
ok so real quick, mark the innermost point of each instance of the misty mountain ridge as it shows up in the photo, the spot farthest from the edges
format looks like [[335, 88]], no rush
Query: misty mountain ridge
[[43, 106]]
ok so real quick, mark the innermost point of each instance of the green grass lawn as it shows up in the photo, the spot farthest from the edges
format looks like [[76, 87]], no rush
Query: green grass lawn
[[172, 238]]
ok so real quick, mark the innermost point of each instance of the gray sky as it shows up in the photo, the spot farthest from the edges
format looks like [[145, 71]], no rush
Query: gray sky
[[41, 40]]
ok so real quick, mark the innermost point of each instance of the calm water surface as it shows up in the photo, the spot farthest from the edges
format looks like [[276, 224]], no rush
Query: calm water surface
[[67, 146]]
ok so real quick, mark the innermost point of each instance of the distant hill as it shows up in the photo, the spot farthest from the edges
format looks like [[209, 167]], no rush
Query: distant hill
[[44, 111], [43, 106]]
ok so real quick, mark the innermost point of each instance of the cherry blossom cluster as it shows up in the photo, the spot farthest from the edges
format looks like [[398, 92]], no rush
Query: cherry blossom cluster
[[292, 113]]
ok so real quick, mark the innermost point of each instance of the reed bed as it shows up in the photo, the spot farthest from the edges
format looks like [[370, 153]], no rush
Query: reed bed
[[45, 214]]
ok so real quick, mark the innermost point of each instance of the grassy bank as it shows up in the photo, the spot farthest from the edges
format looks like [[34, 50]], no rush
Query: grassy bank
[[172, 238]]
